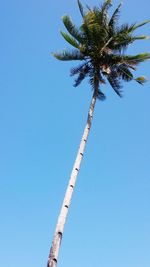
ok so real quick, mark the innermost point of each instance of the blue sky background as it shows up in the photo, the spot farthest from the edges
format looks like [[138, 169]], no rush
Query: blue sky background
[[41, 122]]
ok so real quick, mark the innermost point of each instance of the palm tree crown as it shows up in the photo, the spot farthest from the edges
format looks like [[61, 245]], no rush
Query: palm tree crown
[[100, 44]]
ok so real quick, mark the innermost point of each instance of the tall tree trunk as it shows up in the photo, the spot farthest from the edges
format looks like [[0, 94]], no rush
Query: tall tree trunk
[[53, 255]]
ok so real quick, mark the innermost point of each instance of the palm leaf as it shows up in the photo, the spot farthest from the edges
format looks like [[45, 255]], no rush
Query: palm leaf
[[69, 55], [140, 25], [114, 18], [79, 79], [72, 29], [125, 73], [106, 5], [122, 42], [112, 60], [140, 37], [85, 67], [130, 28], [82, 71], [100, 95], [141, 80], [104, 12], [125, 29], [137, 58], [69, 39], [80, 8], [115, 82], [88, 8]]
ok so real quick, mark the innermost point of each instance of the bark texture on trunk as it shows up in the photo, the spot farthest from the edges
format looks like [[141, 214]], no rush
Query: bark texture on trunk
[[53, 255]]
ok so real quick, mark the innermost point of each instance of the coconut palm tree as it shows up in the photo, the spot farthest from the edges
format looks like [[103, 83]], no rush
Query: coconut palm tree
[[100, 44]]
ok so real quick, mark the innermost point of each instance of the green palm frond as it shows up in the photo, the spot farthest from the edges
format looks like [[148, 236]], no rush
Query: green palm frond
[[69, 39], [125, 29], [122, 38], [94, 28], [81, 71], [68, 55], [84, 67], [100, 95], [81, 75], [140, 25], [80, 8], [124, 72], [95, 80], [114, 81], [105, 6], [141, 80], [121, 42], [137, 58], [140, 37], [104, 12], [112, 59], [101, 79], [114, 18], [72, 29]]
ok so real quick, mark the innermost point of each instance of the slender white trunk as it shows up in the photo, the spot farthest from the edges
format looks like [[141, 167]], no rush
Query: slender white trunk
[[53, 255]]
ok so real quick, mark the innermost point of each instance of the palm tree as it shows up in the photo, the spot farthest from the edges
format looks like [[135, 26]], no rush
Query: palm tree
[[100, 44]]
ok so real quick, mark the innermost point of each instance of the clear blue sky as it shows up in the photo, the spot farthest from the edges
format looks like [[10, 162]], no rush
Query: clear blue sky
[[41, 121]]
